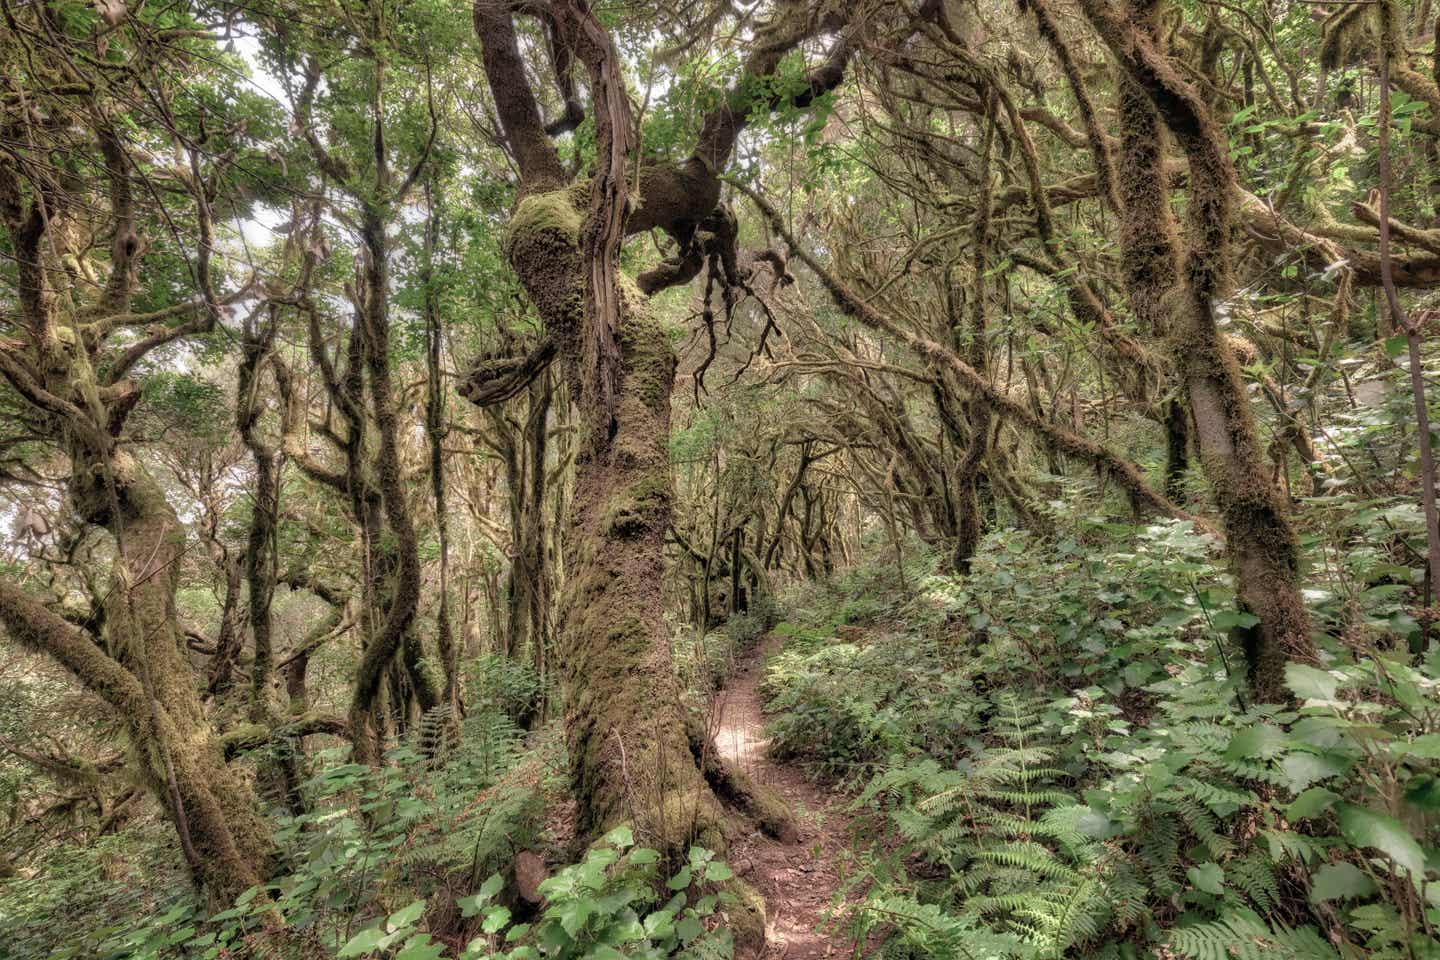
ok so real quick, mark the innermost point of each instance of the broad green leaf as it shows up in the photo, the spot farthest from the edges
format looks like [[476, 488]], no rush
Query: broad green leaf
[[644, 855], [495, 919], [1258, 742], [573, 915], [362, 943], [621, 837], [1303, 769], [660, 924], [1310, 683], [1207, 877], [717, 870], [1426, 746], [1311, 803], [419, 947], [1366, 828], [1230, 619], [405, 916], [688, 929], [1340, 881], [491, 886], [1423, 792], [680, 881]]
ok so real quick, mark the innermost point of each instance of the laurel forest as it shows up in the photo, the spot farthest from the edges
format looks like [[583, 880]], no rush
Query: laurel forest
[[577, 479]]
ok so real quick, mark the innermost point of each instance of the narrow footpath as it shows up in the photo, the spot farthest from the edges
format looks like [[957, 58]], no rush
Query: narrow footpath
[[798, 879]]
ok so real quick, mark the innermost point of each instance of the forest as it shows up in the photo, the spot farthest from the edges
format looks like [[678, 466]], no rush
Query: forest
[[593, 479]]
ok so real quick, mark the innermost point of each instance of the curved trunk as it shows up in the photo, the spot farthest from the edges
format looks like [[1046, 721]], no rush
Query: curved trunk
[[148, 680]]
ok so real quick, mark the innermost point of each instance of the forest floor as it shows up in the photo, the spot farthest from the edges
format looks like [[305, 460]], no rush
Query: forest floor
[[798, 879]]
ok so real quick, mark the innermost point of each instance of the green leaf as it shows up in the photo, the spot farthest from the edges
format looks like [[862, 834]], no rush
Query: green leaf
[[660, 924], [491, 886], [1230, 619], [1426, 746], [1311, 803], [495, 919], [1309, 683], [1423, 792], [405, 916], [621, 837], [419, 947], [1340, 881], [1258, 742], [717, 870], [688, 929], [362, 943], [644, 855], [680, 881], [1207, 877], [1303, 769], [1366, 828], [573, 915]]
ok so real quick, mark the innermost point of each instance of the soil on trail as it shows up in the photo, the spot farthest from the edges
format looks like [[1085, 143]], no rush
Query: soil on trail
[[799, 879]]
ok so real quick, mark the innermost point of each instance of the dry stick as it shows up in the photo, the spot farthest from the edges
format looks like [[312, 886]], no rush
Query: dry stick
[[1412, 336]]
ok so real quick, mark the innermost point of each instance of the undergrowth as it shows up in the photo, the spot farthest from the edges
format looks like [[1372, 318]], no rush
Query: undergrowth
[[1062, 764]]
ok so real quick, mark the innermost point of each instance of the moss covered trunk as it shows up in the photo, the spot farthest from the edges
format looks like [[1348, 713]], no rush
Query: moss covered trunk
[[225, 840], [630, 757], [1180, 296]]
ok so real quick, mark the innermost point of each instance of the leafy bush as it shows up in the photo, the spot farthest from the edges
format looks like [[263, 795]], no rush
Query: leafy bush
[[1060, 744]]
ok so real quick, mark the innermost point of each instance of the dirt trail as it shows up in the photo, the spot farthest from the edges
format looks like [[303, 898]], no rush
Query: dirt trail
[[797, 879]]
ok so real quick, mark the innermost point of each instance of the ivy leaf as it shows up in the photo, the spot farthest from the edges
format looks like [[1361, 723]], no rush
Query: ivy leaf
[[1340, 881], [362, 943], [1366, 828], [1207, 877]]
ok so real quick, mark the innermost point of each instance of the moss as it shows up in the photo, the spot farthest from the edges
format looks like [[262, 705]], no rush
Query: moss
[[632, 510], [746, 915], [541, 212]]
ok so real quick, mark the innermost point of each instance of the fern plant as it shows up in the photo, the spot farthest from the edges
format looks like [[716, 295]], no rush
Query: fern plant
[[1010, 833]]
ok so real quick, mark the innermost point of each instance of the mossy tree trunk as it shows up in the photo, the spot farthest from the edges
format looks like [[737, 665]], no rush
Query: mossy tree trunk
[[1259, 536], [634, 754], [76, 380], [143, 674]]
